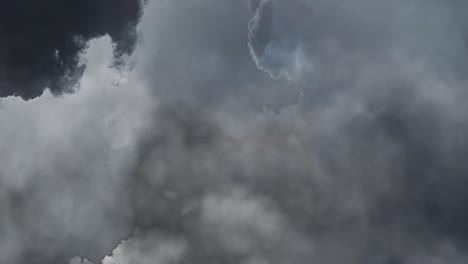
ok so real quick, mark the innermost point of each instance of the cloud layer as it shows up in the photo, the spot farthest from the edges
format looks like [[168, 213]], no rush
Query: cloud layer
[[254, 132]]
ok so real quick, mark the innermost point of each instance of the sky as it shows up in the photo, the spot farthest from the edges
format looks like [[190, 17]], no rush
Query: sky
[[246, 132]]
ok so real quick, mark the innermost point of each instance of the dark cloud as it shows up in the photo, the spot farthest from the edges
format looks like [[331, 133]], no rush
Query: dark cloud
[[365, 166], [41, 41], [374, 190]]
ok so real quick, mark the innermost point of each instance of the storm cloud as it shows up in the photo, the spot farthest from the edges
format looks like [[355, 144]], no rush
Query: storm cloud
[[358, 158], [41, 41], [261, 131]]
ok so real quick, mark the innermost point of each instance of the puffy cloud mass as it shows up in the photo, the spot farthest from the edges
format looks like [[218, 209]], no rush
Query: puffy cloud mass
[[252, 132], [64, 166]]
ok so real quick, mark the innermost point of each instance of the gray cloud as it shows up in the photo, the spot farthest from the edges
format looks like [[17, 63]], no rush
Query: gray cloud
[[64, 166], [362, 163], [253, 132]]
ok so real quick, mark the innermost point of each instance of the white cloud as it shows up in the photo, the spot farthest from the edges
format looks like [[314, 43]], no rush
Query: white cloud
[[148, 248], [66, 160]]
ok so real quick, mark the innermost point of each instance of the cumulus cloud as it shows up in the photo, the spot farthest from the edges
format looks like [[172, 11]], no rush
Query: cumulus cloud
[[264, 131], [147, 248], [361, 163], [64, 164]]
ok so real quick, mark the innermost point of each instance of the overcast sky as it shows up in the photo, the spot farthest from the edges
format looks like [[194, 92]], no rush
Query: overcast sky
[[234, 131]]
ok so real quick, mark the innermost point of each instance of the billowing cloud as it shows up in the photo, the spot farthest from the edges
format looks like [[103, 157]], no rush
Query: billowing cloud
[[148, 248], [361, 167], [40, 42], [64, 166], [251, 132]]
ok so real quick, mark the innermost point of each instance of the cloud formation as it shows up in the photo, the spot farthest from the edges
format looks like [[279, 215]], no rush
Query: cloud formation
[[363, 165], [65, 163], [254, 132], [40, 42]]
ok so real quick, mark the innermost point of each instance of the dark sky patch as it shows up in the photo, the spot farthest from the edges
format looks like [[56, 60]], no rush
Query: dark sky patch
[[40, 41]]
